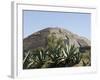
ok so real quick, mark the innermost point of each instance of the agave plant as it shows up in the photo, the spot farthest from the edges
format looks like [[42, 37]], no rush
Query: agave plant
[[54, 48], [73, 55], [26, 59], [39, 57], [56, 54]]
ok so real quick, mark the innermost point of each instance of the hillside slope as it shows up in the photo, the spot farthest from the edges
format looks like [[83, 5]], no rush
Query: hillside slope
[[39, 39]]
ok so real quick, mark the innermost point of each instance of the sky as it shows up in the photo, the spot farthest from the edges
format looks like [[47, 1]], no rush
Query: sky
[[78, 23]]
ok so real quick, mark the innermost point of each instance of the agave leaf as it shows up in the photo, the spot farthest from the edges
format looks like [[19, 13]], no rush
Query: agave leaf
[[26, 56]]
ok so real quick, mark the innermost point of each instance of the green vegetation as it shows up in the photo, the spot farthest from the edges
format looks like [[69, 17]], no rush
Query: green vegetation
[[55, 54]]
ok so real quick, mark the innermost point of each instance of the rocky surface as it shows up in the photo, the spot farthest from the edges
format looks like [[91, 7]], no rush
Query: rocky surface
[[38, 39]]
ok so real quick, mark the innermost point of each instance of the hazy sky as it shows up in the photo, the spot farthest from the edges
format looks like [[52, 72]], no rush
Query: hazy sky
[[79, 23]]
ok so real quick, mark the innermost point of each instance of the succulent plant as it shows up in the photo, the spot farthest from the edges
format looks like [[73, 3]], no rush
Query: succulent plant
[[56, 54]]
